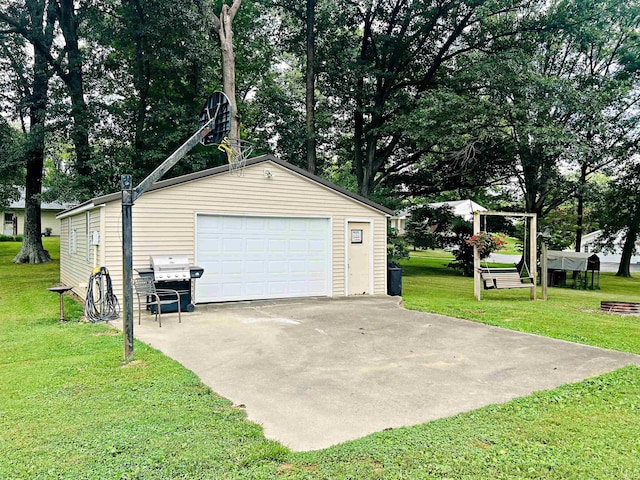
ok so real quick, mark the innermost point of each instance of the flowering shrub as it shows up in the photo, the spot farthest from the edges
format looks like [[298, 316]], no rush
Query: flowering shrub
[[486, 243]]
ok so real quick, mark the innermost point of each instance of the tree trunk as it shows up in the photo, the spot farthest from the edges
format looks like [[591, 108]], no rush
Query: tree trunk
[[224, 28], [75, 84], [311, 85], [358, 135], [582, 185], [624, 269], [32, 250], [141, 82]]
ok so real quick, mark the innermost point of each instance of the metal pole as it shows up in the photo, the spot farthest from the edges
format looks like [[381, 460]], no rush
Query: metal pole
[[174, 158], [127, 265], [129, 196]]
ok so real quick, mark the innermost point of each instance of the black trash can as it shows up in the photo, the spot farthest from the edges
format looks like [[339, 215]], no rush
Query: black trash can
[[394, 280]]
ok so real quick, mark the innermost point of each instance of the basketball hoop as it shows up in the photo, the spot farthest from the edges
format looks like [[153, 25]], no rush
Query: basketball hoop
[[218, 109], [238, 151]]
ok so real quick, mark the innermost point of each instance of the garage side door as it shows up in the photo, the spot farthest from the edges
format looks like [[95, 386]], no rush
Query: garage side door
[[251, 258]]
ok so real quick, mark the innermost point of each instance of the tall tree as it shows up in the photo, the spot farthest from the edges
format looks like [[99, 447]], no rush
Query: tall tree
[[69, 67], [545, 103], [37, 18], [298, 32], [405, 49], [604, 54], [153, 69], [66, 61], [11, 163], [223, 25], [310, 82], [620, 214]]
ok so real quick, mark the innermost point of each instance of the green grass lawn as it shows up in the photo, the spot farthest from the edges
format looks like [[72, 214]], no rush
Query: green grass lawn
[[567, 314], [69, 407]]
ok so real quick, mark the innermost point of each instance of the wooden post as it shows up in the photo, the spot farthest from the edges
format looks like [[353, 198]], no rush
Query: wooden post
[[543, 270], [476, 258], [533, 249]]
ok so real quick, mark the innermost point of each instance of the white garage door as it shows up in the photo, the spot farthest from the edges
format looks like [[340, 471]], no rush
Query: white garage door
[[250, 258]]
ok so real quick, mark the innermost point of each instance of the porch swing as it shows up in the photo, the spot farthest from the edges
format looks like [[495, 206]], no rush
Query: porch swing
[[509, 277]]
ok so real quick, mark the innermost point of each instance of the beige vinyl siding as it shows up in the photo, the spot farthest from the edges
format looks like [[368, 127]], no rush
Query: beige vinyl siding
[[164, 220], [94, 252], [47, 220], [75, 265]]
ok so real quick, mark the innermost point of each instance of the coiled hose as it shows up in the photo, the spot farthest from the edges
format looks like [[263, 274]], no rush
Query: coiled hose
[[100, 304]]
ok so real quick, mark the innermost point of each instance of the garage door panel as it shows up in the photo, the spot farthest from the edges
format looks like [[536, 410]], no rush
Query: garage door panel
[[278, 288], [297, 287], [255, 267], [300, 225], [229, 267], [256, 245], [315, 228], [275, 267], [231, 290], [298, 266], [230, 224], [276, 225], [301, 245], [256, 225], [315, 266], [247, 258], [317, 246], [253, 288], [277, 245]]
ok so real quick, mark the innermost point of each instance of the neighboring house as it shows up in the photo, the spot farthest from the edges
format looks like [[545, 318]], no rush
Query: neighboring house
[[399, 221], [13, 217], [591, 244], [460, 208], [277, 231]]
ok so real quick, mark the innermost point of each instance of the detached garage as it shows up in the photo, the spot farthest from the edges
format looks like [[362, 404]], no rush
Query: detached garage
[[274, 232]]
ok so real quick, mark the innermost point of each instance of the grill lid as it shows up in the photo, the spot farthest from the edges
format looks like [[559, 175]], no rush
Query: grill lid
[[170, 267]]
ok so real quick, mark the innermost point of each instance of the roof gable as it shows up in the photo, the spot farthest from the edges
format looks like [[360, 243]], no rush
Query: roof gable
[[225, 169]]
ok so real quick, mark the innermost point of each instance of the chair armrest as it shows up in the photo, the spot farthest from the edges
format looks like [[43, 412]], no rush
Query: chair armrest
[[165, 291]]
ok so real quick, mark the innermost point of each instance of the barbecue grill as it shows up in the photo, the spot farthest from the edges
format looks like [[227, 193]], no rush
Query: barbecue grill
[[173, 272]]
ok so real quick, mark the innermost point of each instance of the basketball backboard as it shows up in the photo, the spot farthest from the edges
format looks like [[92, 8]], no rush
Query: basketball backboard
[[218, 108]]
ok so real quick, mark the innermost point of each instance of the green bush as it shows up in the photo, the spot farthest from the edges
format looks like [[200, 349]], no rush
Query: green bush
[[10, 238], [397, 248]]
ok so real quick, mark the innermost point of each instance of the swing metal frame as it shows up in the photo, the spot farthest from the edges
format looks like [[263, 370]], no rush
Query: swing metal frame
[[533, 249]]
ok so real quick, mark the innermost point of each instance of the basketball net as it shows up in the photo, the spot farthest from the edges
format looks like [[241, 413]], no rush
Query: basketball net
[[237, 151]]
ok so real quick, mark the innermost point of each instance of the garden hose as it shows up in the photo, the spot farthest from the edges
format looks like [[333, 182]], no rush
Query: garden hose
[[100, 304]]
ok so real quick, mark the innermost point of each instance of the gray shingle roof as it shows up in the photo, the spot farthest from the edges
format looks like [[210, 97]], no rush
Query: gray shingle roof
[[55, 206]]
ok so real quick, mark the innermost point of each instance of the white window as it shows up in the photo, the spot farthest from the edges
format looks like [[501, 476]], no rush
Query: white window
[[73, 241], [69, 226], [87, 219]]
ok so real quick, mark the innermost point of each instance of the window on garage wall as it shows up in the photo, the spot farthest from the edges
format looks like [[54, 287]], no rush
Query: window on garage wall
[[87, 222]]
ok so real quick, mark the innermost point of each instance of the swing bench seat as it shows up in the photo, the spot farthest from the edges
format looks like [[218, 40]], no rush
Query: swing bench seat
[[503, 278]]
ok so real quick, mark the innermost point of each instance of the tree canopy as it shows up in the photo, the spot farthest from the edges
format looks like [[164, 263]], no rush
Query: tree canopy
[[526, 101]]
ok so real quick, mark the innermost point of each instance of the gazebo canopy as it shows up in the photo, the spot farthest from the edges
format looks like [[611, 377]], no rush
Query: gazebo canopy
[[568, 261]]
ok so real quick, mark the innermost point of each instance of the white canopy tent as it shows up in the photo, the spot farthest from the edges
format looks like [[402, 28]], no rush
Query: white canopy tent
[[569, 261]]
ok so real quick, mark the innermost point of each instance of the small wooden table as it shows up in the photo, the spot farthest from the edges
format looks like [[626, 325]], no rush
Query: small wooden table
[[60, 290]]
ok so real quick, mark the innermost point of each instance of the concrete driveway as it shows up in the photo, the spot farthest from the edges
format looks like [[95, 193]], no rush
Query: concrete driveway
[[317, 372]]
